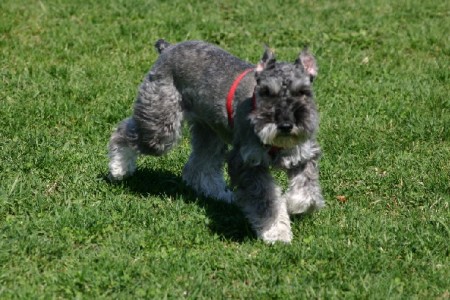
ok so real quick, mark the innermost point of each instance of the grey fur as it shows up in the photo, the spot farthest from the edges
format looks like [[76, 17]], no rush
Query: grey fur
[[191, 80]]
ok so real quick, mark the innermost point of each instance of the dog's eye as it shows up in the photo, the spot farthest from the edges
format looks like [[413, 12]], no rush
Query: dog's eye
[[301, 92], [264, 91], [267, 92]]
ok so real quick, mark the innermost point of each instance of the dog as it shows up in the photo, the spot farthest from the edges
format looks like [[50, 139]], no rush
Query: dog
[[266, 112]]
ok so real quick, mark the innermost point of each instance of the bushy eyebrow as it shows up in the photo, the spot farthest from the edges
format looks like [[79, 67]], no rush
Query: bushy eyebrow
[[272, 86], [300, 85]]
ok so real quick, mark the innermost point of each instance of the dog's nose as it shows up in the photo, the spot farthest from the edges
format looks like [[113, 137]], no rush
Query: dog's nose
[[285, 127]]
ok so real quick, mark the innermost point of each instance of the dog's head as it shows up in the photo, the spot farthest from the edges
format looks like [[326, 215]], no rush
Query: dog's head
[[285, 114]]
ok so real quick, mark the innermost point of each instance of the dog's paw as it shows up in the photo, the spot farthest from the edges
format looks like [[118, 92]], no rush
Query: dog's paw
[[119, 176], [278, 232], [122, 163], [121, 170], [304, 202]]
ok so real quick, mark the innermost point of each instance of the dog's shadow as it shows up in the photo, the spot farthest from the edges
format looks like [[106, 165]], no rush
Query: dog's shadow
[[226, 220]]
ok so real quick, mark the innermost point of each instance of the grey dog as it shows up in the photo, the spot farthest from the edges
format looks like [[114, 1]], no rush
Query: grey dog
[[266, 112]]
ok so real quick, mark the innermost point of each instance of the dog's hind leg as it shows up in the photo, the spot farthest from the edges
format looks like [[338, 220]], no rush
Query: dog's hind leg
[[158, 116], [122, 150], [204, 169], [154, 128]]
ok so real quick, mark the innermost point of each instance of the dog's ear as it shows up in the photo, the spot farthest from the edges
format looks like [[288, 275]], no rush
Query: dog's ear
[[267, 61], [308, 62]]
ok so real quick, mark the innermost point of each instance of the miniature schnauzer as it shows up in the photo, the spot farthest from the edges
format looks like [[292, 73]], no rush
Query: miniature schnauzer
[[266, 112]]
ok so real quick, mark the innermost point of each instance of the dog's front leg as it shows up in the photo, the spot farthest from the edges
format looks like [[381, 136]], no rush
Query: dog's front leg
[[304, 194], [260, 199]]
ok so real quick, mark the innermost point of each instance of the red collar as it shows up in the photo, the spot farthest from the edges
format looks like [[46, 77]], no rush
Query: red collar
[[230, 96]]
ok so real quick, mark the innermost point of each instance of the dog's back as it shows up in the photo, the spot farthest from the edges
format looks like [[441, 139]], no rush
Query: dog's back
[[199, 65], [202, 73]]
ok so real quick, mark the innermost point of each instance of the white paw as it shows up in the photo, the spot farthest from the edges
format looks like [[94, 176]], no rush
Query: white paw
[[304, 203], [122, 164], [278, 232], [117, 174]]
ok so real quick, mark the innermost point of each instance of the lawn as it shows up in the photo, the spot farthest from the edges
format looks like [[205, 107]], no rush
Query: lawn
[[69, 72]]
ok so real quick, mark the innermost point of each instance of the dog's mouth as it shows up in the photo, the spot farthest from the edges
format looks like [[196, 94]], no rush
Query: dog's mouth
[[281, 136], [286, 142]]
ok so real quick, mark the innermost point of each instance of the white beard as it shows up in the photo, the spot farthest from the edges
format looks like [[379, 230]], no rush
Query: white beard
[[269, 135]]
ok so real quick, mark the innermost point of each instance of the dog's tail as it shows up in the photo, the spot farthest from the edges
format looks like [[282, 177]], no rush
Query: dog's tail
[[161, 45]]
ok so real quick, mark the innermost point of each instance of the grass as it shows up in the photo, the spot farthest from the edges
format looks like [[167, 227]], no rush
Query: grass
[[68, 74]]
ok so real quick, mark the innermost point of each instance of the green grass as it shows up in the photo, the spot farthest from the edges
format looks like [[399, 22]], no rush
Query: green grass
[[69, 71]]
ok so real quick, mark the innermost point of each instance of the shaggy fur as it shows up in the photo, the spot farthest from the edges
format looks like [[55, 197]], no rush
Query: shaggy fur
[[190, 81]]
